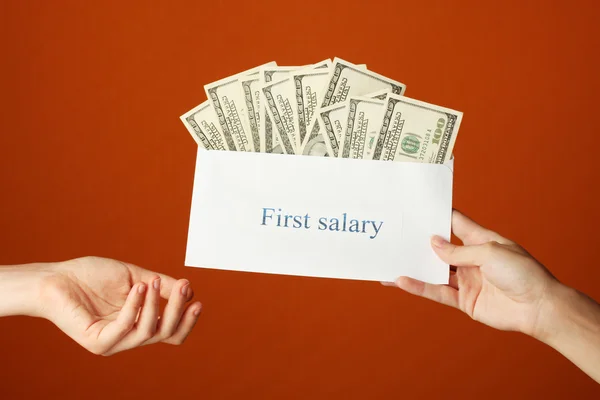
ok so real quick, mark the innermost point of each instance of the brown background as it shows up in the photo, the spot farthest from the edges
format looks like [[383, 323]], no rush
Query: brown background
[[94, 161]]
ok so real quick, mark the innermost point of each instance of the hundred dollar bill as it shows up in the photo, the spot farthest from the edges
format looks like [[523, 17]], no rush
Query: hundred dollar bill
[[347, 79], [317, 136], [202, 124], [361, 128], [333, 120], [314, 145], [279, 103], [325, 64], [316, 140], [266, 133], [379, 95], [249, 85], [308, 83], [413, 130], [230, 106]]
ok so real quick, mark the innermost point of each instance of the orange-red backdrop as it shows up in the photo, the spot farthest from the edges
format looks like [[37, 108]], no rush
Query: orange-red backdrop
[[95, 161]]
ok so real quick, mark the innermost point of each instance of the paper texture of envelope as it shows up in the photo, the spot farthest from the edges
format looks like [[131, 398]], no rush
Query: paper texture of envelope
[[319, 216]]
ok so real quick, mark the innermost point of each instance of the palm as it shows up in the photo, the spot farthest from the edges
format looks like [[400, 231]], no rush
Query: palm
[[504, 293], [483, 301], [493, 307], [497, 282], [109, 306], [94, 291]]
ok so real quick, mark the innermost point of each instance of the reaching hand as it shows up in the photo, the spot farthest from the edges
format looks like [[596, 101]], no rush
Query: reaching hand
[[495, 280], [108, 306]]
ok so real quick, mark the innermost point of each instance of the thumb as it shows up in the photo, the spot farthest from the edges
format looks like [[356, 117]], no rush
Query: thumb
[[461, 256]]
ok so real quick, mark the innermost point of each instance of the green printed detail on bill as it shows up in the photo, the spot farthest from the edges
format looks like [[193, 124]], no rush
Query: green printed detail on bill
[[327, 109]]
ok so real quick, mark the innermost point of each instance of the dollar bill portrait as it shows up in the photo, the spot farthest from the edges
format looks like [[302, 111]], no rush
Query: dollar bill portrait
[[315, 147]]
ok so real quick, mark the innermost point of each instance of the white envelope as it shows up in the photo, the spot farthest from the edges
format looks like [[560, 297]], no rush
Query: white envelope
[[386, 213]]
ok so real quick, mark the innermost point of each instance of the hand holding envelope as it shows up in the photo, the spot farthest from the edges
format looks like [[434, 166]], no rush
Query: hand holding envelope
[[346, 215]]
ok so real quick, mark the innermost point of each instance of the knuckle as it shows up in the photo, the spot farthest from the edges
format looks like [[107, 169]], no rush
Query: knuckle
[[161, 338], [125, 326], [450, 253], [451, 250], [492, 246], [486, 251], [177, 341], [167, 333], [520, 249], [146, 335], [96, 349]]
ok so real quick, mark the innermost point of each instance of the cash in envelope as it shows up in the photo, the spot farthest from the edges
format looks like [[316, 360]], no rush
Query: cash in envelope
[[318, 216]]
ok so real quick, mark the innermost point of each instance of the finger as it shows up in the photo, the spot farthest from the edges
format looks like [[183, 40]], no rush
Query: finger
[[168, 286], [167, 282], [146, 325], [471, 233], [117, 329], [187, 323], [388, 283], [464, 256], [173, 311], [145, 328], [439, 293]]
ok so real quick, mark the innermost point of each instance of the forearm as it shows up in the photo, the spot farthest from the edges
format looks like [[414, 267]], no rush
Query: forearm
[[571, 325], [20, 289]]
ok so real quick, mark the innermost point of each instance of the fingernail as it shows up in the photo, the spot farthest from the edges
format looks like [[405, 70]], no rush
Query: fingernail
[[156, 284], [142, 288], [184, 289], [438, 242], [197, 311]]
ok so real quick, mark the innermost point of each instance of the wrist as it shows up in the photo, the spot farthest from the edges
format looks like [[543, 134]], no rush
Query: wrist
[[21, 288], [550, 306], [563, 313]]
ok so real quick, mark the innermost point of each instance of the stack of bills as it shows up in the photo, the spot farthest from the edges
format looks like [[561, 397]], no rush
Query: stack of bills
[[329, 109]]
